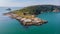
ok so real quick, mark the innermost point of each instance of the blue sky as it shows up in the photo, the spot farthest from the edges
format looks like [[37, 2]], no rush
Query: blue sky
[[24, 3]]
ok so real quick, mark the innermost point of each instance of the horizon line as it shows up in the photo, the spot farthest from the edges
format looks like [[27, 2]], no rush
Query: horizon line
[[28, 6]]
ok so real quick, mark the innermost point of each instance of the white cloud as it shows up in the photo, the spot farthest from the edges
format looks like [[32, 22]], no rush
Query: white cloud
[[10, 3], [16, 4]]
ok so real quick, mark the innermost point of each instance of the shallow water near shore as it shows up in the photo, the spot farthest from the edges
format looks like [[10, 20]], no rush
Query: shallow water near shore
[[12, 26]]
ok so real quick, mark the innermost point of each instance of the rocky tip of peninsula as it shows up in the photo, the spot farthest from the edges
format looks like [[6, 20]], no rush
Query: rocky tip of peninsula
[[27, 20]]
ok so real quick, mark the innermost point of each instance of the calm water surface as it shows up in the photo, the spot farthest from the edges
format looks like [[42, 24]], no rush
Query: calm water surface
[[12, 26]]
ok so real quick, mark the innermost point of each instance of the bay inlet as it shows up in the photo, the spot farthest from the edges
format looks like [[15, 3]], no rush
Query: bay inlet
[[12, 26]]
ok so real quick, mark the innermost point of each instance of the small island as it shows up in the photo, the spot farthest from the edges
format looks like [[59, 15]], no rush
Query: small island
[[28, 15]]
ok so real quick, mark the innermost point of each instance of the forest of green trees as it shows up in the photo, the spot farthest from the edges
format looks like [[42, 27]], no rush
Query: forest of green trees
[[37, 9]]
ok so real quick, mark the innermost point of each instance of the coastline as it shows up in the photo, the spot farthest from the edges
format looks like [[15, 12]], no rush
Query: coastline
[[27, 20]]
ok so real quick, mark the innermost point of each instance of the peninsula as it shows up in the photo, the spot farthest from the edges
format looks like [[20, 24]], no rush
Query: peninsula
[[27, 15]]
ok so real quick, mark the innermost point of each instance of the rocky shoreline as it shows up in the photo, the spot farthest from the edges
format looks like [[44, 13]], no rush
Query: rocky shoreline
[[27, 21]]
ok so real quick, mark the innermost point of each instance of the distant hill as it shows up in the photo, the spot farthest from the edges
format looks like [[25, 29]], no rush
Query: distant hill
[[37, 9]]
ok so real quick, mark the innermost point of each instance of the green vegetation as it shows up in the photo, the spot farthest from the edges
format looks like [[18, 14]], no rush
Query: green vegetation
[[35, 10]]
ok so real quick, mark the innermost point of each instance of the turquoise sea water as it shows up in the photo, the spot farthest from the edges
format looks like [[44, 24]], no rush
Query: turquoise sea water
[[12, 26]]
